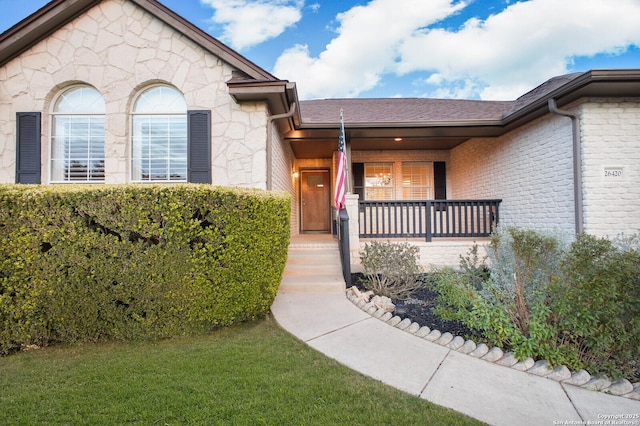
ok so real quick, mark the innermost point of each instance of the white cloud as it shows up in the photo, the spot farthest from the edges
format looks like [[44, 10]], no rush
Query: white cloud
[[500, 57], [364, 49], [524, 44], [247, 23]]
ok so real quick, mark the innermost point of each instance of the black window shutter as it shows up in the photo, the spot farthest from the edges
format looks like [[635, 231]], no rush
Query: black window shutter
[[440, 180], [358, 179], [199, 143], [28, 147]]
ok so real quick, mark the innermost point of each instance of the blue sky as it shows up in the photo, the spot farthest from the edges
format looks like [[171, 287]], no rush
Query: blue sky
[[470, 49]]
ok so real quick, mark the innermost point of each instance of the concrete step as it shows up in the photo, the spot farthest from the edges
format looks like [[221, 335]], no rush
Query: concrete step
[[292, 283], [313, 269]]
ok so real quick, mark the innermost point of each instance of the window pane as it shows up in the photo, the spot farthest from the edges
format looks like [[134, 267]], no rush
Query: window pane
[[378, 179], [80, 100], [416, 183], [160, 100], [77, 143], [159, 148], [159, 141]]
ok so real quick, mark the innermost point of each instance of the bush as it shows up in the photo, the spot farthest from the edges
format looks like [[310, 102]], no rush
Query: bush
[[86, 263], [596, 304], [576, 306], [391, 269]]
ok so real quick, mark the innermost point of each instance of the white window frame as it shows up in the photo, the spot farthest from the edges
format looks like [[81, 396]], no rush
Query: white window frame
[[379, 181], [78, 135], [162, 154]]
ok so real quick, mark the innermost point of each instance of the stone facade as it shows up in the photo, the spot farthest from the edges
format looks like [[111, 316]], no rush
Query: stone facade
[[120, 49]]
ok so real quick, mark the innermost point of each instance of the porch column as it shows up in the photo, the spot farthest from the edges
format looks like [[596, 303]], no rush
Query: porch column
[[351, 204]]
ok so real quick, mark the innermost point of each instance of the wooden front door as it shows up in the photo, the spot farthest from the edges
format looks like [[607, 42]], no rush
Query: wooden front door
[[315, 198]]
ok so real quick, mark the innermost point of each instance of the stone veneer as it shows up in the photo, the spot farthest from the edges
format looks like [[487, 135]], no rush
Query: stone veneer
[[120, 49]]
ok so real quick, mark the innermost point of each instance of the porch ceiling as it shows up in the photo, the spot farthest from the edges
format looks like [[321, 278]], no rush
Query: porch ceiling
[[321, 143], [324, 148]]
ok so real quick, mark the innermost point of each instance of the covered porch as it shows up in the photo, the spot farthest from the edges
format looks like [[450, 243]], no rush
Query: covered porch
[[443, 230]]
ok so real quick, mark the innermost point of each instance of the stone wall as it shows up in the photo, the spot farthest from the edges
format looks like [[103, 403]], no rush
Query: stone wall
[[611, 152], [120, 50], [530, 169]]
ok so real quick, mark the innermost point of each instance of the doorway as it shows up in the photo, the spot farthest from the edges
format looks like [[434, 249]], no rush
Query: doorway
[[315, 200]]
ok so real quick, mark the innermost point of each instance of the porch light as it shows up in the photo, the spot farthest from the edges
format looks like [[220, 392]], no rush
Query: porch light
[[294, 174], [398, 139]]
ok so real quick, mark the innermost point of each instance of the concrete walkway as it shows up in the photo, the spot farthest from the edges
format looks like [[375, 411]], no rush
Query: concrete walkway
[[320, 315]]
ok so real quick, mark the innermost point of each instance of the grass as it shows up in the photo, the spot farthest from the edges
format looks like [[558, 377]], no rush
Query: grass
[[251, 374]]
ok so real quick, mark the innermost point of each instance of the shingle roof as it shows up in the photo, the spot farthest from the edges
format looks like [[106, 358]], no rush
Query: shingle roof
[[423, 110], [541, 91], [400, 110]]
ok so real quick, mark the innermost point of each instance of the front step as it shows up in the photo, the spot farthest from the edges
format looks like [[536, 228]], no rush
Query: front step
[[313, 269]]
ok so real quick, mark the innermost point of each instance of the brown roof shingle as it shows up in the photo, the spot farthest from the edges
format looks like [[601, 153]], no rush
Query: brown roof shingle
[[400, 110]]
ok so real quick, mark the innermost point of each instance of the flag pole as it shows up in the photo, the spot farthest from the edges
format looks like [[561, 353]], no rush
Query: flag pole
[[341, 174]]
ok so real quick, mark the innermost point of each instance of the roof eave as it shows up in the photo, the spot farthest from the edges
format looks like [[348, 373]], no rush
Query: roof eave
[[39, 25], [279, 95], [403, 124], [594, 83]]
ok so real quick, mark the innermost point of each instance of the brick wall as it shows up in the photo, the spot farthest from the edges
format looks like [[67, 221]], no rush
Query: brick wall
[[611, 152], [397, 157], [530, 169], [283, 161]]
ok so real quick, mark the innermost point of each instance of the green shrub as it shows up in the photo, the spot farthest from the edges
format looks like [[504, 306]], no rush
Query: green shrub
[[577, 306], [82, 263], [523, 263], [391, 269], [597, 304]]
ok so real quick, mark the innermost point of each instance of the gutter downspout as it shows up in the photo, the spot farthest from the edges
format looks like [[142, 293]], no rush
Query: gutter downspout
[[577, 163], [271, 119]]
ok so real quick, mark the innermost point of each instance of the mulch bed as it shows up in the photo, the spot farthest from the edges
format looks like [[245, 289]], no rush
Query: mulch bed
[[419, 308]]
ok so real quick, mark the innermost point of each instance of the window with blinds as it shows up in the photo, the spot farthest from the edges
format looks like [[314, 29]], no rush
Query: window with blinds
[[416, 181], [378, 179], [159, 145], [77, 141]]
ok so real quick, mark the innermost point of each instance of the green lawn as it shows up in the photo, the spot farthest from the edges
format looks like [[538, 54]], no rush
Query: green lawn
[[252, 374]]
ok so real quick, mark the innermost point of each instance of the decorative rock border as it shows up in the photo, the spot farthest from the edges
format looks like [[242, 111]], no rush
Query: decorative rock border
[[581, 378]]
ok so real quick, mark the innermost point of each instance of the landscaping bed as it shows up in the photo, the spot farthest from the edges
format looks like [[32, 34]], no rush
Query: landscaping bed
[[419, 308]]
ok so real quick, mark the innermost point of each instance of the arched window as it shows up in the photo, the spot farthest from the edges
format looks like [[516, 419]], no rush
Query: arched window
[[159, 145], [77, 136]]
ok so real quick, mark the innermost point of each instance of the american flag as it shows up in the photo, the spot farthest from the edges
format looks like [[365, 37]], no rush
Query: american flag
[[341, 174]]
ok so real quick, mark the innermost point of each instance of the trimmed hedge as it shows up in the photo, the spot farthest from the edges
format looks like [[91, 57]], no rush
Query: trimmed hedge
[[87, 263]]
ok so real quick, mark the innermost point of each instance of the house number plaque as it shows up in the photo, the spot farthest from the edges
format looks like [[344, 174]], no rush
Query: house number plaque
[[613, 172]]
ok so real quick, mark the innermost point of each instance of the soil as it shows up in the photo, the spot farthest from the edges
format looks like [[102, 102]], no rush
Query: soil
[[419, 308]]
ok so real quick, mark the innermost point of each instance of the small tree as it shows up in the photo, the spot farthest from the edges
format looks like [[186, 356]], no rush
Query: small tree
[[391, 269]]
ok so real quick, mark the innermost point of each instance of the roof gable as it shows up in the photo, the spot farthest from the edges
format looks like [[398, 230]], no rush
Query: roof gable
[[57, 13]]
